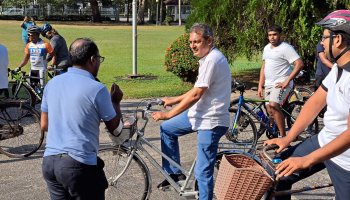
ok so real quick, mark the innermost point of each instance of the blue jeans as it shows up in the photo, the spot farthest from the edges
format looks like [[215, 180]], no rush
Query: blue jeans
[[207, 145], [68, 179]]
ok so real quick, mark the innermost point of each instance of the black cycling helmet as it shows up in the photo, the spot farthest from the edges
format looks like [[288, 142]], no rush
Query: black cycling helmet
[[34, 29], [45, 28], [337, 22]]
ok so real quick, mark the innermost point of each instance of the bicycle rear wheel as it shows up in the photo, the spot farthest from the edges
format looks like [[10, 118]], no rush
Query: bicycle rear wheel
[[20, 131], [294, 110], [300, 94], [244, 134], [134, 184]]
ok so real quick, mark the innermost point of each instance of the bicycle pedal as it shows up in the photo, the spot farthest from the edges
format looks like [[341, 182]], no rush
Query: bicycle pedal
[[165, 188]]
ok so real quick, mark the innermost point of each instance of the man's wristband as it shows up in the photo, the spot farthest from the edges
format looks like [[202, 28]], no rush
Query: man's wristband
[[118, 130]]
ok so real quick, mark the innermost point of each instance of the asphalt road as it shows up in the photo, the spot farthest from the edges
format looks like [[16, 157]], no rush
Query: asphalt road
[[21, 179]]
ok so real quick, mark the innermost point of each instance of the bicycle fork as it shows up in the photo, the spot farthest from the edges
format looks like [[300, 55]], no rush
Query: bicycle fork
[[126, 166]]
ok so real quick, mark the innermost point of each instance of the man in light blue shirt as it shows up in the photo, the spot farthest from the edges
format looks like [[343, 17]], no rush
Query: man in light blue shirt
[[72, 107]]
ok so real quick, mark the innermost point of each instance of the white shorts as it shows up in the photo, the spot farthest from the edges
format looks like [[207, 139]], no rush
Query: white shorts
[[277, 95]]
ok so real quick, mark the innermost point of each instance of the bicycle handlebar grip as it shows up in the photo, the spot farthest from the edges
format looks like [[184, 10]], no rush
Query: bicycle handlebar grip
[[160, 102]]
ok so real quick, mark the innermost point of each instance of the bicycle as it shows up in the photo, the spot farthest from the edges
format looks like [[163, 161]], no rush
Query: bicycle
[[243, 130], [20, 131], [127, 173], [21, 89]]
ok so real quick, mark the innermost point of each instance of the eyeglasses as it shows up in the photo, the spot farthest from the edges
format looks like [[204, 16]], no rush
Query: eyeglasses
[[30, 35], [101, 58], [325, 37]]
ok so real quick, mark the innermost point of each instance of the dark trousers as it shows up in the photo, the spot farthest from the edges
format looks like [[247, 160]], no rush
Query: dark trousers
[[68, 179], [339, 176]]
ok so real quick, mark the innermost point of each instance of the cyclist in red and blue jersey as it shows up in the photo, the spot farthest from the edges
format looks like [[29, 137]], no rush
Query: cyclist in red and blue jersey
[[35, 52]]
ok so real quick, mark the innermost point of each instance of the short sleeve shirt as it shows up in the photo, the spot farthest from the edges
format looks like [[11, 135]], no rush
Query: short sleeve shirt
[[37, 53], [59, 45], [337, 85], [278, 62], [212, 108], [75, 104]]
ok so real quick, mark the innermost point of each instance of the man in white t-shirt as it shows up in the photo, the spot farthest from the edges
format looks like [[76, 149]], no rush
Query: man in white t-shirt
[[330, 148], [276, 74], [4, 62], [203, 109]]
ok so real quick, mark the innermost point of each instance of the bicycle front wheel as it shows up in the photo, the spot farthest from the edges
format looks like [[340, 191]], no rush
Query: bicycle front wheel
[[134, 184], [243, 134], [22, 93], [20, 131]]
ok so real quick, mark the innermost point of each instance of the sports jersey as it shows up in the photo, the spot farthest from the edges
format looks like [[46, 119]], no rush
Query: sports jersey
[[38, 52]]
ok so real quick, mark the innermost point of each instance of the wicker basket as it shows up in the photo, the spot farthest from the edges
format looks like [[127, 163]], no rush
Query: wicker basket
[[241, 178]]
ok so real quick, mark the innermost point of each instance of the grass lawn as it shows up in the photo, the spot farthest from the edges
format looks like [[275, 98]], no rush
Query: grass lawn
[[115, 43]]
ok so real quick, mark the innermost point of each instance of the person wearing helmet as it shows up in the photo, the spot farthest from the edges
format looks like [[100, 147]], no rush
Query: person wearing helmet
[[27, 22], [36, 51], [59, 45], [330, 148]]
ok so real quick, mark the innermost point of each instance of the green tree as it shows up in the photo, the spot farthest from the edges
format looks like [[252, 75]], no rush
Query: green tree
[[240, 25]]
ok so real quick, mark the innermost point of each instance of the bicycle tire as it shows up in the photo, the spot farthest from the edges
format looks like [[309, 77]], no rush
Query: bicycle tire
[[294, 110], [20, 124], [300, 94], [24, 94], [247, 135], [134, 184]]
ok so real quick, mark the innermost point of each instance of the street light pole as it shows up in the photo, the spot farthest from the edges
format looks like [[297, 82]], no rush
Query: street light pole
[[134, 39], [157, 18], [179, 12]]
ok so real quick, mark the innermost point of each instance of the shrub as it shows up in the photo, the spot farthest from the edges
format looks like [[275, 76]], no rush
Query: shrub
[[180, 61]]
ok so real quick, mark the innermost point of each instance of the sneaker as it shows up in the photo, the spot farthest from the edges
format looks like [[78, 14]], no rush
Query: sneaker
[[176, 177]]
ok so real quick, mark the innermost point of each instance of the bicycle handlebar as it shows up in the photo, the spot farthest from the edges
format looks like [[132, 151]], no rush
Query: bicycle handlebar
[[268, 148]]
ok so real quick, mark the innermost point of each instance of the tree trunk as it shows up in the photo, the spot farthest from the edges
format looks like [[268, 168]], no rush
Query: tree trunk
[[96, 16], [141, 12]]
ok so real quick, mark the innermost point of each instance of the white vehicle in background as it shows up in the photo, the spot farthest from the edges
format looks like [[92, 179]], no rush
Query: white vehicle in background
[[12, 11]]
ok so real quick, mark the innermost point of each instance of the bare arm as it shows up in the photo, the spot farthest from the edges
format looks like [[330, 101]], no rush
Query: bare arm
[[261, 80], [116, 97], [188, 99], [169, 101], [298, 65], [44, 121], [53, 60], [324, 60], [24, 61]]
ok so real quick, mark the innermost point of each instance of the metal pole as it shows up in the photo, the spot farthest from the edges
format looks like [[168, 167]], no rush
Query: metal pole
[[179, 12], [134, 39]]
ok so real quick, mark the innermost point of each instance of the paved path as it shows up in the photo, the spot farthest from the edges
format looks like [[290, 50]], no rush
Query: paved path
[[21, 179]]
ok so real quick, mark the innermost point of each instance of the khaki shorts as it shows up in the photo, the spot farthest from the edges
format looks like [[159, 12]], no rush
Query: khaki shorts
[[277, 95]]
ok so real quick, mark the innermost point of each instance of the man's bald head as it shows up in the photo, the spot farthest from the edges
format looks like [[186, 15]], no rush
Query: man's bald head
[[81, 50]]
